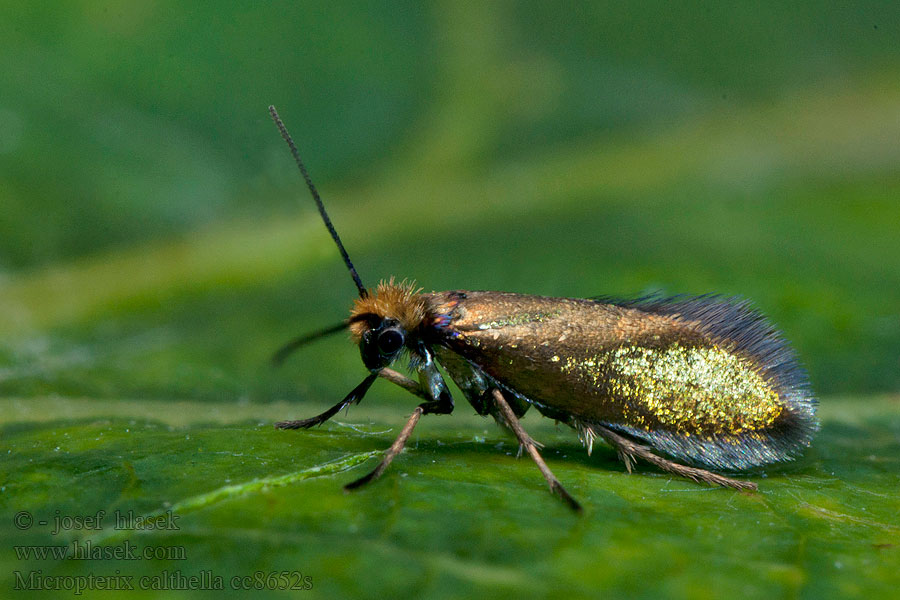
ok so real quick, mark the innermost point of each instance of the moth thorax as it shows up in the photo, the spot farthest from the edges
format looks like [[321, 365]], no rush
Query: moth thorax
[[401, 302]]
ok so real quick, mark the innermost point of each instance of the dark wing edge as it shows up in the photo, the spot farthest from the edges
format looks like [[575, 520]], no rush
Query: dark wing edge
[[734, 321], [730, 452]]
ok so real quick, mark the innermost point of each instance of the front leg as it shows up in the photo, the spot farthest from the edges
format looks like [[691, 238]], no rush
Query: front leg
[[442, 406], [403, 381]]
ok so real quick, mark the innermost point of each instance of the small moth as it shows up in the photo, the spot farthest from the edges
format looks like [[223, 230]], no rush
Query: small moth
[[689, 384]]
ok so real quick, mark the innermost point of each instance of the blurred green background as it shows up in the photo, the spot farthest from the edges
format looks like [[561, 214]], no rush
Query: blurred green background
[[157, 243]]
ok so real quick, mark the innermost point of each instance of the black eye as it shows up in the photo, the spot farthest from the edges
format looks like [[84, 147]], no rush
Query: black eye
[[389, 341]]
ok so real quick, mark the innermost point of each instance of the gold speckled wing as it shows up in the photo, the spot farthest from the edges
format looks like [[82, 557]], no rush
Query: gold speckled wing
[[703, 379]]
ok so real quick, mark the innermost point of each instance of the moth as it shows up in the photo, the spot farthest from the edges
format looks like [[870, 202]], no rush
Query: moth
[[692, 385]]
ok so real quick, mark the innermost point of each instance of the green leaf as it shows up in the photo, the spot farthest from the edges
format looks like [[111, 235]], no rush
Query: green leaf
[[153, 255], [456, 515]]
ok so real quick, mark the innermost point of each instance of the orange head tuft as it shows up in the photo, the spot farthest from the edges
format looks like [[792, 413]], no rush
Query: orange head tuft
[[402, 302]]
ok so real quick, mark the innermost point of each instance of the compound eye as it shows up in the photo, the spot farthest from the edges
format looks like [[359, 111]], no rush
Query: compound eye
[[390, 341]]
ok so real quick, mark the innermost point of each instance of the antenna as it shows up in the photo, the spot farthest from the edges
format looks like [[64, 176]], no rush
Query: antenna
[[315, 194], [288, 349]]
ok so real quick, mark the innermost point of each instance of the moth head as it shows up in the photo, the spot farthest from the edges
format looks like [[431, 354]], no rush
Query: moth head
[[382, 342], [385, 321]]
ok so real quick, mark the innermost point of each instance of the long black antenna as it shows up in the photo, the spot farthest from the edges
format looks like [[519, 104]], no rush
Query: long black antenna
[[288, 349], [315, 194]]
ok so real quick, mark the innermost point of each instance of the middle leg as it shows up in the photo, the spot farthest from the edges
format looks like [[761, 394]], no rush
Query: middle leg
[[430, 387], [530, 446]]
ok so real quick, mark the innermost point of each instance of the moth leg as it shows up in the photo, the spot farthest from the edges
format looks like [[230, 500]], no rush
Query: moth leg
[[530, 445], [628, 450], [476, 385], [393, 451], [354, 396], [397, 447], [438, 401], [403, 381]]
